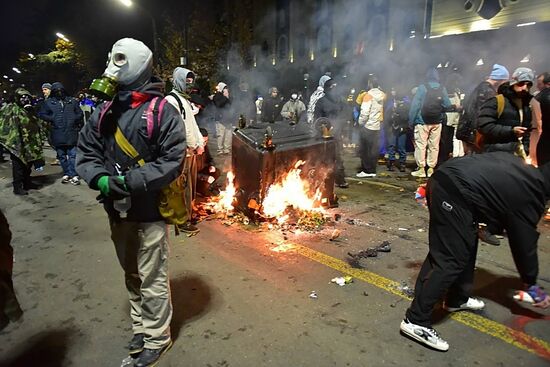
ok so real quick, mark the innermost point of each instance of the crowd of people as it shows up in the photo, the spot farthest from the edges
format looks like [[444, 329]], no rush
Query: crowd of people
[[144, 150]]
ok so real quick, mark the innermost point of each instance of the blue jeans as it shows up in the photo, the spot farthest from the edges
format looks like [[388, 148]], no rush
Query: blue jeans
[[67, 158], [397, 140]]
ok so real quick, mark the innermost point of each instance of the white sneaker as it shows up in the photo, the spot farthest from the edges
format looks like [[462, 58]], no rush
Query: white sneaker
[[473, 304], [75, 180], [419, 172], [430, 172], [424, 335], [362, 174], [370, 175], [65, 179]]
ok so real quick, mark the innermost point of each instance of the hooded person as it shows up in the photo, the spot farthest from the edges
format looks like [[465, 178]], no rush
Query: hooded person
[[223, 117], [130, 185], [21, 136], [272, 106], [315, 97], [293, 110], [65, 117], [182, 80], [370, 120]]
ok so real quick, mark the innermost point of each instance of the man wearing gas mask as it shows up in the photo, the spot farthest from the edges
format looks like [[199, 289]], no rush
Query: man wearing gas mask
[[20, 136], [66, 118], [134, 118]]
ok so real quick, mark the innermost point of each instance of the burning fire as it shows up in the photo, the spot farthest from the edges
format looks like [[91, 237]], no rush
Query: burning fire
[[226, 197], [290, 192]]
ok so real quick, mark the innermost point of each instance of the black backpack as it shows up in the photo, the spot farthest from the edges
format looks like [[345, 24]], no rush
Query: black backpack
[[432, 108], [467, 123]]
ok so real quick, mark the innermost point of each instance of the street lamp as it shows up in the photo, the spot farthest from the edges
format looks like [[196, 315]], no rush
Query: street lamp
[[62, 36], [128, 4], [16, 70]]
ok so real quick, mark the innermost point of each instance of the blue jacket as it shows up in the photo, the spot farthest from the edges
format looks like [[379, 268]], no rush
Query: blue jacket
[[415, 115], [65, 117]]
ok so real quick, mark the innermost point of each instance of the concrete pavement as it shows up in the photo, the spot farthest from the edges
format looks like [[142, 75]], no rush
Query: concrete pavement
[[239, 303]]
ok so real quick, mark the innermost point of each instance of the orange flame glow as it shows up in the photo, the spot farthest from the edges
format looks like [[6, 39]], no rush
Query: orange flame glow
[[226, 197], [292, 191]]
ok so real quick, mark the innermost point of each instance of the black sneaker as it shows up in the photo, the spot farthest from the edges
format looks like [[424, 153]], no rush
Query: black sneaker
[[488, 237], [150, 357], [20, 191], [188, 227], [31, 186], [136, 344]]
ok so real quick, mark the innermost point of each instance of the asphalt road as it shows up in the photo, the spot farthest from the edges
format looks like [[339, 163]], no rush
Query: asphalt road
[[240, 302]]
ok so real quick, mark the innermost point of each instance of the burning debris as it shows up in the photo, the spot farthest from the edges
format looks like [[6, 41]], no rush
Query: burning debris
[[287, 204]]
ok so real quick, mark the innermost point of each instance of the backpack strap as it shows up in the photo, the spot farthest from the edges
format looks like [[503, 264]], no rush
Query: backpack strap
[[127, 147], [180, 105], [105, 107], [500, 104]]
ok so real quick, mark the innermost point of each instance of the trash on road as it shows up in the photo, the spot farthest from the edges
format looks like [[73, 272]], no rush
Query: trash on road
[[313, 295], [128, 361], [385, 246], [402, 229], [406, 290], [342, 281], [335, 234], [523, 297]]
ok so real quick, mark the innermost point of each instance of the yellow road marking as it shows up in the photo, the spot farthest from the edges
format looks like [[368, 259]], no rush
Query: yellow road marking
[[477, 322]]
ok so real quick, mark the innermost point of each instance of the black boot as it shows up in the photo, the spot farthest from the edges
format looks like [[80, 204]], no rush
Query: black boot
[[19, 191], [402, 167], [390, 166], [135, 345], [29, 185], [149, 357], [488, 237]]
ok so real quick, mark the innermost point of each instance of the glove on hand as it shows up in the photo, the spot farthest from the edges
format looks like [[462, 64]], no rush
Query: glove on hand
[[113, 187]]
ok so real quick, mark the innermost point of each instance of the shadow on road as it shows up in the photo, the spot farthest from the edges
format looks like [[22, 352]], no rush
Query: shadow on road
[[191, 299], [46, 349]]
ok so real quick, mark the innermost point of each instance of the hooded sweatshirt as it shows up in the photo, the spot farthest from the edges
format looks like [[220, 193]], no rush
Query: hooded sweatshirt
[[372, 109], [315, 97], [193, 135]]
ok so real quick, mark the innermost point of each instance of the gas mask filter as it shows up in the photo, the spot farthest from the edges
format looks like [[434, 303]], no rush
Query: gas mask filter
[[129, 65]]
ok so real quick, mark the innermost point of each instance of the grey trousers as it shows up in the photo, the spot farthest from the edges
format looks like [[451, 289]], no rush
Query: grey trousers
[[142, 250]]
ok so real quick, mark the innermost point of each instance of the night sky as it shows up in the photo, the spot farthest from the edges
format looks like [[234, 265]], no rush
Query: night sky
[[30, 26]]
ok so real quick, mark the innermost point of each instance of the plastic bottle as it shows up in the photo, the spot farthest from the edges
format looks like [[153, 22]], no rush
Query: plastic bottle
[[122, 206]]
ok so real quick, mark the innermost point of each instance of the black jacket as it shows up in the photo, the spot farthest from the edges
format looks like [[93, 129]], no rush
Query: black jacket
[[97, 152], [271, 109], [65, 116], [223, 111], [331, 107], [504, 192], [498, 133]]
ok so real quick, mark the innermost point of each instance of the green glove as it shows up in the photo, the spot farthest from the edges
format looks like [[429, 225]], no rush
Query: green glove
[[103, 184]]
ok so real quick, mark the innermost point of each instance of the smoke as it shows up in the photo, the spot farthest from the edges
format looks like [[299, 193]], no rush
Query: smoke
[[296, 42]]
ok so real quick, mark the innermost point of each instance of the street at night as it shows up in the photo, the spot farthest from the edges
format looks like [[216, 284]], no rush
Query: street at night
[[240, 302], [316, 183]]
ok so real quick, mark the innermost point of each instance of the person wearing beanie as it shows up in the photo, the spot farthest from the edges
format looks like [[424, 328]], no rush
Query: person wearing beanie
[[467, 126], [46, 90], [223, 117], [461, 193]]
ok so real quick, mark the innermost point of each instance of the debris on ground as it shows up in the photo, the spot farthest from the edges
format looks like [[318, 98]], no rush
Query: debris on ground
[[365, 293], [342, 281], [524, 297], [385, 246], [334, 235], [402, 229], [128, 361], [406, 290], [313, 295]]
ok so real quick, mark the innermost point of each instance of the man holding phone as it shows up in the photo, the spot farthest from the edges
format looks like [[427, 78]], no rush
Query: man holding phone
[[505, 125]]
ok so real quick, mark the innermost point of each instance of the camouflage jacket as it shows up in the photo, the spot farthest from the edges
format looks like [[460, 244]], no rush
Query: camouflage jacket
[[20, 133]]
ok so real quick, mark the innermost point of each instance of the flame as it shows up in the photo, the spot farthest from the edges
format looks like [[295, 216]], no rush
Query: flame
[[292, 191], [226, 197]]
